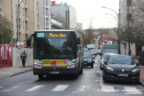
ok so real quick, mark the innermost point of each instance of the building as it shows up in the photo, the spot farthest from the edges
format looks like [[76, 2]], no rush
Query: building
[[21, 14], [131, 16], [66, 14]]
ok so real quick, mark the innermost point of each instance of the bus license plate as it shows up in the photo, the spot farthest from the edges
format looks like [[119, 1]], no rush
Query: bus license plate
[[54, 72]]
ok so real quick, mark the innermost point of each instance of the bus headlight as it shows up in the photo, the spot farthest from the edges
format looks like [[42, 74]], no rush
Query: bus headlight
[[37, 64], [71, 64]]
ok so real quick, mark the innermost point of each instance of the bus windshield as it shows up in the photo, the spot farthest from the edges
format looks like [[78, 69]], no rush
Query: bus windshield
[[55, 45]]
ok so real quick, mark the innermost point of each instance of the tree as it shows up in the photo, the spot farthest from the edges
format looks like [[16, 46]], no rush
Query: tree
[[6, 32], [88, 37]]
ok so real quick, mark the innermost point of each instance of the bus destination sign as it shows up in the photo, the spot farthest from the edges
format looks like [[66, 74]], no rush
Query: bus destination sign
[[57, 35]]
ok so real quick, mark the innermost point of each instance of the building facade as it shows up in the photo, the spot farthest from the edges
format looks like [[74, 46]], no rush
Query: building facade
[[21, 14], [131, 16], [66, 14]]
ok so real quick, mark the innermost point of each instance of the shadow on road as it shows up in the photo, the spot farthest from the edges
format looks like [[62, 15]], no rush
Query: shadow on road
[[59, 78]]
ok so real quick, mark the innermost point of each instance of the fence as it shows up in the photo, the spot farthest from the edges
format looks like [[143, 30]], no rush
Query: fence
[[6, 55], [17, 62]]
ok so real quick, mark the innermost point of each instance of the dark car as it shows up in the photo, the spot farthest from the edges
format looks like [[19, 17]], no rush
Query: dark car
[[120, 67], [88, 60], [105, 55]]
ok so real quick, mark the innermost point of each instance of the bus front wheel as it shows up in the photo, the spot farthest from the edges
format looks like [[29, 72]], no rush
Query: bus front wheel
[[40, 77]]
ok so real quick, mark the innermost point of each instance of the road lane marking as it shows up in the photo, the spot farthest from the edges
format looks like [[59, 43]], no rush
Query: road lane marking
[[132, 90], [106, 88], [82, 88], [10, 89], [34, 88], [60, 88]]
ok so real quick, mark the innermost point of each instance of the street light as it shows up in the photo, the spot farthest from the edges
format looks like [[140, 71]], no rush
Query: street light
[[117, 20], [111, 10], [113, 17], [17, 18]]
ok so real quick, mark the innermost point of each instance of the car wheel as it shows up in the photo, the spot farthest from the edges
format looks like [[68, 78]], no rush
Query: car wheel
[[40, 77], [105, 77], [81, 72], [92, 66], [101, 68]]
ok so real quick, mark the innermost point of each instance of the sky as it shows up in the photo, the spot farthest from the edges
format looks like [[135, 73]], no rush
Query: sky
[[90, 12]]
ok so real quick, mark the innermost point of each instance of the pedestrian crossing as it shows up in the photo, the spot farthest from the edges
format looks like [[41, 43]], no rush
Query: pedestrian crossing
[[127, 90]]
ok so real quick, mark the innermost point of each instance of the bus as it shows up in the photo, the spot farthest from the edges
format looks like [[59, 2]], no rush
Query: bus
[[56, 52], [110, 48]]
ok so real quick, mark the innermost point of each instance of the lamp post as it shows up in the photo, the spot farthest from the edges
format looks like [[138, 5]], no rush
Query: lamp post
[[116, 17], [17, 18]]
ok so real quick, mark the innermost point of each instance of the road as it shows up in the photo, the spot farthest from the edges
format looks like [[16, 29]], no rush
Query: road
[[90, 83]]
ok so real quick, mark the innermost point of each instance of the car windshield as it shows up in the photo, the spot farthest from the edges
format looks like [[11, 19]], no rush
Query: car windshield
[[105, 55], [87, 56], [120, 60]]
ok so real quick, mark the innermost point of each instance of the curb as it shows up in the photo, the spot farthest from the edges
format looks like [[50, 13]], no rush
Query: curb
[[17, 73], [20, 73]]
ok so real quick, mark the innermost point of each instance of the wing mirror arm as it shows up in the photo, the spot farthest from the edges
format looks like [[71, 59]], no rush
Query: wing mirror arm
[[28, 41]]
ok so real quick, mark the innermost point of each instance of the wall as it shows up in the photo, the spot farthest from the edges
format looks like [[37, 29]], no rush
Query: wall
[[17, 62]]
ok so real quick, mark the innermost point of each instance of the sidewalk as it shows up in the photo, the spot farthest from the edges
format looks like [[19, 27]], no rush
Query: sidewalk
[[11, 71]]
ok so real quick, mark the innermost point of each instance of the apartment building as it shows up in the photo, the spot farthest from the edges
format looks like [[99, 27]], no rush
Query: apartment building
[[131, 15], [65, 14], [21, 13]]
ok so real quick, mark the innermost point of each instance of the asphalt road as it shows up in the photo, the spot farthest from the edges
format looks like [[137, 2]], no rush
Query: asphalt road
[[90, 83]]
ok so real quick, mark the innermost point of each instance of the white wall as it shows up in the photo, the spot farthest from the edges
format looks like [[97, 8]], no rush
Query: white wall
[[17, 62]]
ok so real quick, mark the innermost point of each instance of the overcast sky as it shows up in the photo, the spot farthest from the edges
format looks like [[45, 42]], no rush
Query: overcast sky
[[91, 11]]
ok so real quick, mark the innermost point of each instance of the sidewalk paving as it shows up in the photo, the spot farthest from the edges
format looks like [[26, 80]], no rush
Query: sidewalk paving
[[11, 71]]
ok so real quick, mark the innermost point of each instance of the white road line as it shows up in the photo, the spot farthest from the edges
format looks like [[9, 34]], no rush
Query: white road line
[[60, 88], [106, 88], [10, 89], [34, 88], [101, 78], [82, 88], [132, 90]]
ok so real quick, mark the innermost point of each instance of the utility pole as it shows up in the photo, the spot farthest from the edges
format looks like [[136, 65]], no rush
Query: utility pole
[[128, 21]]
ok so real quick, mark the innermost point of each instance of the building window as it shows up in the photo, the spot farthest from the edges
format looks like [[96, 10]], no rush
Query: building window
[[46, 12], [129, 17], [128, 2], [47, 3], [47, 22]]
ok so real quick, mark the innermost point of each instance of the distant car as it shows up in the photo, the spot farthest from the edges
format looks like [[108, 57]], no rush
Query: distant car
[[105, 55], [88, 60], [98, 52], [121, 68]]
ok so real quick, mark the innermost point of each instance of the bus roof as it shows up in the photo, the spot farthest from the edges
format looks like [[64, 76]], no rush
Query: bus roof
[[53, 30]]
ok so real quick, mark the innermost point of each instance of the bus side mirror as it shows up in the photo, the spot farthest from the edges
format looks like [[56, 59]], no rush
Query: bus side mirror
[[78, 40], [28, 41]]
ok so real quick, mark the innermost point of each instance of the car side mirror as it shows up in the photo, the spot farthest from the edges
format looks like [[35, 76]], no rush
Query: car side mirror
[[137, 64], [105, 62]]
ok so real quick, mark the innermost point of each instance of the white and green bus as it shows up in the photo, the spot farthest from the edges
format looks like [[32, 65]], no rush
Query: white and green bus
[[56, 52]]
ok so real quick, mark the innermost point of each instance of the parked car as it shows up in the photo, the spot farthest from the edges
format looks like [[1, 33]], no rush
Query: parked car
[[98, 52], [105, 55], [120, 67], [88, 60]]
